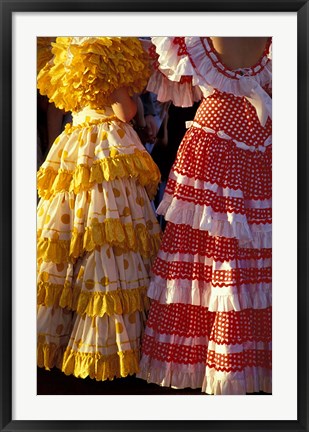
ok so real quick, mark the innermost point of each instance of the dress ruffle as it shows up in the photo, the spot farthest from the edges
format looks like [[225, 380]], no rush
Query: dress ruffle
[[217, 187], [174, 77], [220, 224], [256, 295], [104, 347], [100, 367], [44, 51], [69, 168], [171, 374], [50, 355], [189, 63], [84, 177], [252, 380], [54, 326], [86, 70], [129, 237], [246, 84], [93, 304], [97, 238], [182, 347]]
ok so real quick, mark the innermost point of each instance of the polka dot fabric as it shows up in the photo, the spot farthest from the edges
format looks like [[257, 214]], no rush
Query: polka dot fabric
[[97, 239], [235, 116], [224, 164], [211, 281]]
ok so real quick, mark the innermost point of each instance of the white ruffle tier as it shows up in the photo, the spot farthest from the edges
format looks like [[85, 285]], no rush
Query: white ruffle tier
[[256, 296], [181, 94], [174, 375], [217, 224], [250, 380]]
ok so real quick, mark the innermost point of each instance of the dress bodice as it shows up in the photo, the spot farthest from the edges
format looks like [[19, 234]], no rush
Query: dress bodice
[[188, 68]]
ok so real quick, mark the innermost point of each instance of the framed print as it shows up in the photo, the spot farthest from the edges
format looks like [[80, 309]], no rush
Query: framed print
[[46, 399]]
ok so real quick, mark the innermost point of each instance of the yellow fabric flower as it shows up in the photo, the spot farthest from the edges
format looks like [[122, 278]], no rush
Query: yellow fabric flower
[[85, 71], [44, 51]]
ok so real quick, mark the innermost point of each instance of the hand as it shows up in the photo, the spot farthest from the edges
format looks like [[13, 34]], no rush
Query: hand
[[142, 133], [152, 128]]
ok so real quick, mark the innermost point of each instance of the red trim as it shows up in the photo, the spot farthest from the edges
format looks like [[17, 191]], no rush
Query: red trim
[[183, 270], [183, 354], [220, 204], [182, 238], [225, 70], [182, 50], [194, 321], [202, 156]]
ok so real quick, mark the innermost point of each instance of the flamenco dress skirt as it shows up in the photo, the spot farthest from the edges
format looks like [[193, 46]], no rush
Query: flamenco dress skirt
[[209, 324], [97, 237]]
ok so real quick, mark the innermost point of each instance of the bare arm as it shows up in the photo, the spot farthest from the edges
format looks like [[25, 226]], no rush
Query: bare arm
[[123, 105]]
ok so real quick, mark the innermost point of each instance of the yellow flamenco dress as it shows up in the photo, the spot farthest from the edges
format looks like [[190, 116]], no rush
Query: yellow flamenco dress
[[97, 232]]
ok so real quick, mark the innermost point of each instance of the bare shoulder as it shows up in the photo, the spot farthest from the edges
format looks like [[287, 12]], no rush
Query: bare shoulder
[[239, 52]]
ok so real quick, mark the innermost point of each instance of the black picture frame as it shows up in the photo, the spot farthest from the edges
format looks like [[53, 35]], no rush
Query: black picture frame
[[8, 7]]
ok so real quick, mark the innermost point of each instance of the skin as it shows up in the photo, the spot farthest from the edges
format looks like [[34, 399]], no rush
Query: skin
[[239, 52], [152, 127], [123, 105]]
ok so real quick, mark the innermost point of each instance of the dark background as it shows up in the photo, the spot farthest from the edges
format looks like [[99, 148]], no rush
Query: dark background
[[55, 382]]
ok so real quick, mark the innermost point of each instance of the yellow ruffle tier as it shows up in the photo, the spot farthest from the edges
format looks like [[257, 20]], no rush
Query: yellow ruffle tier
[[93, 303], [126, 237], [44, 51], [100, 367], [85, 71], [49, 355], [137, 165], [81, 365]]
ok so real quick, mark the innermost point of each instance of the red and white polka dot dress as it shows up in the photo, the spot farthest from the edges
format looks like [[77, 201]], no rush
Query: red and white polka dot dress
[[210, 320]]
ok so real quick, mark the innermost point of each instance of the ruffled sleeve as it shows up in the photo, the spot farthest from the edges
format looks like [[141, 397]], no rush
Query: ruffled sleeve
[[174, 77], [86, 70]]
